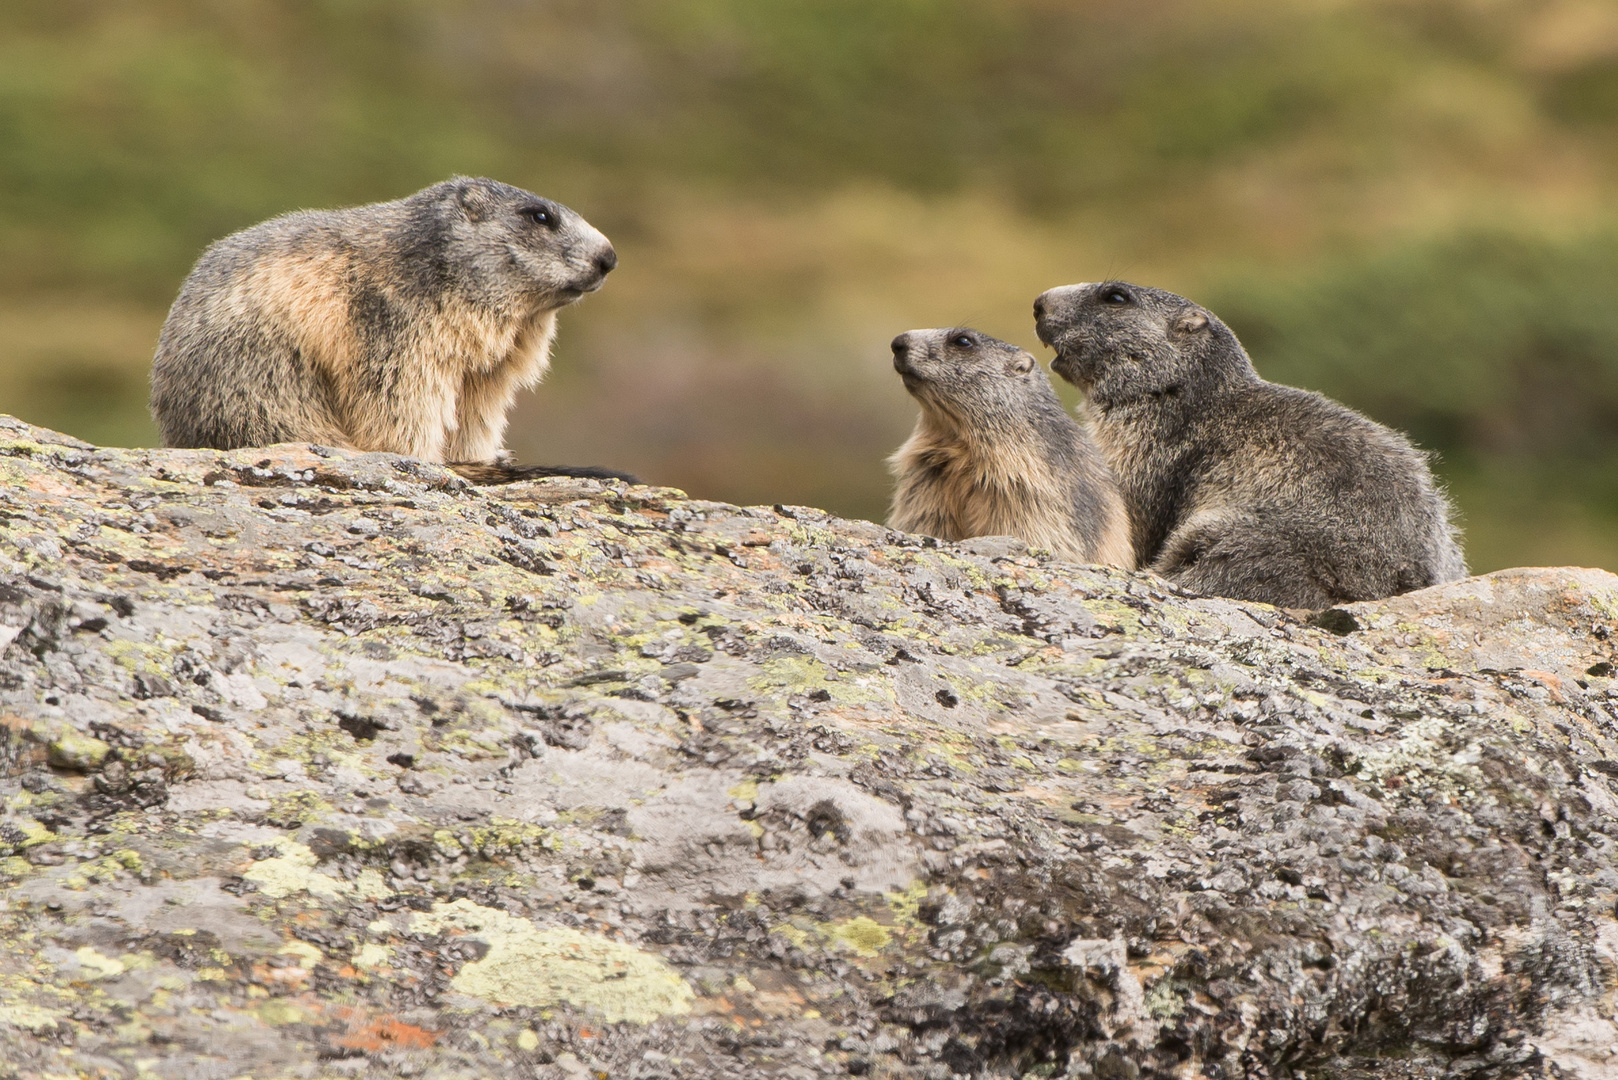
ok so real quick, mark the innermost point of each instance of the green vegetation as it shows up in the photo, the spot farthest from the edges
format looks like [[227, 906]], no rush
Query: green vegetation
[[1412, 206]]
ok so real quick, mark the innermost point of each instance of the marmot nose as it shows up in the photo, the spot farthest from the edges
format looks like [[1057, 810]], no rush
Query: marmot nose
[[606, 261], [901, 352], [1039, 306]]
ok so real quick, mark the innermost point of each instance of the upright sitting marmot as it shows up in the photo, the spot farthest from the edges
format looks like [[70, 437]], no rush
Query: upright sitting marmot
[[1238, 487], [994, 453], [406, 326]]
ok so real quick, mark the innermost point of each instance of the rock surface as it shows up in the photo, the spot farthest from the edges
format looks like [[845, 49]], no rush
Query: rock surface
[[330, 765]]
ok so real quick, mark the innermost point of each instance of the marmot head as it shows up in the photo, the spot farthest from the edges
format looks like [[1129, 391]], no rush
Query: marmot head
[[972, 379], [506, 245], [1123, 342]]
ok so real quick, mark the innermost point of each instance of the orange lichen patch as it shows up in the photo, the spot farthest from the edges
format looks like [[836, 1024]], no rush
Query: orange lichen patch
[[794, 620], [754, 1013], [1047, 796], [771, 1005], [1551, 682], [1162, 959], [376, 1034], [761, 995], [708, 1006], [28, 748], [48, 485]]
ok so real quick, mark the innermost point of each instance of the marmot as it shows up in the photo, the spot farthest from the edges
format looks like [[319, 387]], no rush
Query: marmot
[[1235, 486], [406, 326], [994, 453]]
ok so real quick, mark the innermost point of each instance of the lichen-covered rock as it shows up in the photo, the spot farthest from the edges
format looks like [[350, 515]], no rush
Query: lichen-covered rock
[[321, 764]]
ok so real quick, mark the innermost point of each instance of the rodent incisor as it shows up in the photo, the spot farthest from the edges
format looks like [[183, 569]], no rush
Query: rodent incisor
[[994, 453], [1238, 487], [406, 326]]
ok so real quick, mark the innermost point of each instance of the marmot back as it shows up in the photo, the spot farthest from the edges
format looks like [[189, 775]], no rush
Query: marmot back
[[1239, 487], [994, 453], [406, 326]]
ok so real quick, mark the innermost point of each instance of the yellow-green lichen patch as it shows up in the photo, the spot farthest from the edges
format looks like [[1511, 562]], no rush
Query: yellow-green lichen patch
[[97, 966], [293, 871], [139, 657], [863, 934], [504, 835], [995, 644], [980, 689], [371, 955], [81, 753], [14, 446], [298, 808], [954, 747], [1162, 1001], [906, 906], [1605, 601], [529, 966], [805, 675], [369, 884], [308, 956], [279, 1013], [1425, 646], [445, 843], [30, 1017], [971, 571], [1113, 613], [33, 833]]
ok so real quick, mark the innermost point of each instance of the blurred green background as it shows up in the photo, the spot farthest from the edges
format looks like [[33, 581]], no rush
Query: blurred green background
[[1411, 205]]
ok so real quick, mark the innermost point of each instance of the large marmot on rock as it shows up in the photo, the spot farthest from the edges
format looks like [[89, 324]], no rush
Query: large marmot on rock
[[405, 326], [1235, 486], [994, 453]]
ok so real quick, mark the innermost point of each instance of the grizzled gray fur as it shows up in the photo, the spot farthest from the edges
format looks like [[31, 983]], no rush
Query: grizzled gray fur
[[405, 326], [994, 453], [1235, 486]]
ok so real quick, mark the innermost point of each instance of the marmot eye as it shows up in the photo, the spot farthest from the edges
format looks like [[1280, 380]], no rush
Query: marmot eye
[[1114, 295], [963, 341], [539, 215]]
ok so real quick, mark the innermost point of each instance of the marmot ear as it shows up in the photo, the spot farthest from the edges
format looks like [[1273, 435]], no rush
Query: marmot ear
[[1022, 364], [1190, 324], [475, 199]]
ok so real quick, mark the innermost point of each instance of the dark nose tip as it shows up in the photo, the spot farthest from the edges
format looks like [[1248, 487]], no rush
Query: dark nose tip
[[901, 353], [606, 261], [1039, 307]]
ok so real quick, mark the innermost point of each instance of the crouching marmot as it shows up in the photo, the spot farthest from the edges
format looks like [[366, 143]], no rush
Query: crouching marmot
[[406, 326], [1235, 486], [994, 453]]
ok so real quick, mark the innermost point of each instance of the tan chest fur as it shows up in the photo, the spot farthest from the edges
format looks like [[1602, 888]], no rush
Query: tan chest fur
[[953, 489], [447, 392], [521, 357]]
